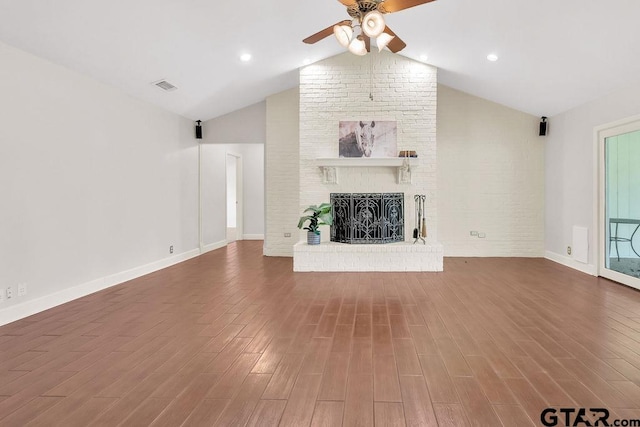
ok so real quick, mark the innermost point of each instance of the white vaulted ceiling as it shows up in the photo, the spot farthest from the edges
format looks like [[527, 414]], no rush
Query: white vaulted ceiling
[[553, 54]]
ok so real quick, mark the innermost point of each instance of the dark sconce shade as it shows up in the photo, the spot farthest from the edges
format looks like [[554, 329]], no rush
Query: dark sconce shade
[[543, 126], [198, 129]]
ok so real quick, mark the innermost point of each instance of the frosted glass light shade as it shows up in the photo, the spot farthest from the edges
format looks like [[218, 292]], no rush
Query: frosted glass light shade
[[343, 33], [373, 24], [357, 47], [383, 40]]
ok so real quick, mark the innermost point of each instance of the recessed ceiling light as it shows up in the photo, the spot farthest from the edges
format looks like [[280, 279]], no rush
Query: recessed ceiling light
[[245, 57], [492, 57], [306, 61], [423, 58]]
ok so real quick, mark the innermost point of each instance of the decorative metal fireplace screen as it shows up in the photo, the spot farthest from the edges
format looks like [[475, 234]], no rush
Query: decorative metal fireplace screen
[[367, 217]]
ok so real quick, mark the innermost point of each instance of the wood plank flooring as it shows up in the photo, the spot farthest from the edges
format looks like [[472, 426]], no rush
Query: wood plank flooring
[[234, 338]]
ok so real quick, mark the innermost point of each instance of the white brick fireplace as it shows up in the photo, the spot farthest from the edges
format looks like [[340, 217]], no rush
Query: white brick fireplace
[[341, 88]]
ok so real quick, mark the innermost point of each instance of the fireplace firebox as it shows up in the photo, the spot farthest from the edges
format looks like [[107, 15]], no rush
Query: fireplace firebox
[[373, 218]]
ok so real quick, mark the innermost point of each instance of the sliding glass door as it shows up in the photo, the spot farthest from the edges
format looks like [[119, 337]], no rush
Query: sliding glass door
[[620, 203]]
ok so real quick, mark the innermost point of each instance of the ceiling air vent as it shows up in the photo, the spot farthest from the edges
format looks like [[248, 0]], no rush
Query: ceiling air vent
[[165, 85]]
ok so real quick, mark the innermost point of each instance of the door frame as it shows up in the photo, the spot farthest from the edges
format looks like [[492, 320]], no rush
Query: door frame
[[239, 194], [602, 132]]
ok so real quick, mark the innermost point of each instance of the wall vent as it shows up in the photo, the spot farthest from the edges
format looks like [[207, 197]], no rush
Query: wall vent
[[165, 85]]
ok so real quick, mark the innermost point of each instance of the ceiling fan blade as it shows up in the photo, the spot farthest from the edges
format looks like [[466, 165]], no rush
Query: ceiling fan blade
[[348, 2], [367, 42], [395, 45], [389, 6], [324, 33]]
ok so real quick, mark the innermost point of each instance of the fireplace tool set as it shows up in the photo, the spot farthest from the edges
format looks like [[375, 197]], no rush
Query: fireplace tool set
[[420, 232]]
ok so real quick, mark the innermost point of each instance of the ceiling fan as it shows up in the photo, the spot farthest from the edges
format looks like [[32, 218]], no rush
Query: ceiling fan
[[367, 14]]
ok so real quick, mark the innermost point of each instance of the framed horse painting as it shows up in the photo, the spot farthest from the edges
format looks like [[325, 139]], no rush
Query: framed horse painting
[[368, 138]]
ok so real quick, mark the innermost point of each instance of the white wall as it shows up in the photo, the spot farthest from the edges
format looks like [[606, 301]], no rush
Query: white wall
[[569, 166], [490, 178], [253, 190], [244, 126], [281, 160], [232, 177], [213, 195], [95, 187], [213, 182]]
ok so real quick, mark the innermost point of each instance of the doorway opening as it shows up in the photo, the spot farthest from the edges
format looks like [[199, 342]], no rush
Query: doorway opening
[[234, 197]]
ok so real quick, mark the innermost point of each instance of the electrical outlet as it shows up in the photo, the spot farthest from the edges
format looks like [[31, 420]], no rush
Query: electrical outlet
[[287, 234], [9, 292], [481, 235], [473, 233], [171, 249], [568, 250], [22, 289]]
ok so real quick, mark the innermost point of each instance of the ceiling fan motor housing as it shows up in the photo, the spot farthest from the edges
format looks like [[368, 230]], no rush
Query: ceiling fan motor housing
[[361, 8]]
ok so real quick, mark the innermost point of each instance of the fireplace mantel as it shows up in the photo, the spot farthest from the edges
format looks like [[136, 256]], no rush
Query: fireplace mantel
[[329, 166]]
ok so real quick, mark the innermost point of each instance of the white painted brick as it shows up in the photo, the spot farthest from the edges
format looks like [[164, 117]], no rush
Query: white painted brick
[[281, 169], [338, 89], [491, 178], [488, 175], [392, 257]]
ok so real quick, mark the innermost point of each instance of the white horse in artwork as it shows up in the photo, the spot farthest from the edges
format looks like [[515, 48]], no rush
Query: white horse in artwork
[[365, 137]]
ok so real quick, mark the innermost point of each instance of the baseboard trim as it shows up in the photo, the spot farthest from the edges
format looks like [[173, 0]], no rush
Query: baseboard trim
[[213, 246], [37, 305], [571, 263], [277, 252], [253, 237]]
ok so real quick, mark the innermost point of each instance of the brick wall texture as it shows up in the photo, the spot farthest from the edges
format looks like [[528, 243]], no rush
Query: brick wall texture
[[488, 175], [281, 170], [340, 88], [490, 178]]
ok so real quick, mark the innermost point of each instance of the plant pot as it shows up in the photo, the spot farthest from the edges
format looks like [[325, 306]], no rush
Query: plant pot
[[313, 238]]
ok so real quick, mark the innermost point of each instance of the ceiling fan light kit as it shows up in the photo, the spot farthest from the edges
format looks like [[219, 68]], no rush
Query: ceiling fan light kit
[[373, 24], [368, 15], [343, 33], [358, 46], [383, 40]]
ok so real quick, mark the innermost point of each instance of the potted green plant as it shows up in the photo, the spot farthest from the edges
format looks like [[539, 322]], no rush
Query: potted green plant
[[320, 215]]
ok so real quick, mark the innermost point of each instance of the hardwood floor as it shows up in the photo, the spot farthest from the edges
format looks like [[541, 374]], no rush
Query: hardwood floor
[[234, 338]]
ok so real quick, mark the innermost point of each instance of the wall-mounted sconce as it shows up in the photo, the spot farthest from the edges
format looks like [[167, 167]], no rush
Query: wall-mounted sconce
[[543, 126], [198, 129]]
